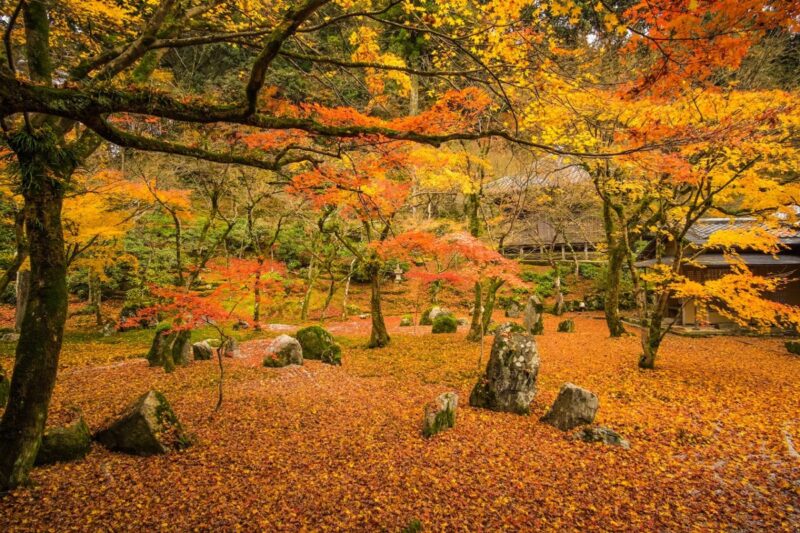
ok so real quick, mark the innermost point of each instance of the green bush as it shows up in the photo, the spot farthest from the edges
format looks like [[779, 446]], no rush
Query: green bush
[[445, 324]]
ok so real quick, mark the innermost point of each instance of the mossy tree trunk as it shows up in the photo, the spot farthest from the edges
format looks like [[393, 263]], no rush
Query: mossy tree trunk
[[492, 287], [257, 294], [617, 254], [653, 334], [476, 324], [485, 295], [21, 253], [36, 362], [379, 337]]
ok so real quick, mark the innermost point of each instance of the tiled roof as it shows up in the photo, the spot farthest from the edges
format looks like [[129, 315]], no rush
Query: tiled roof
[[544, 172], [723, 260]]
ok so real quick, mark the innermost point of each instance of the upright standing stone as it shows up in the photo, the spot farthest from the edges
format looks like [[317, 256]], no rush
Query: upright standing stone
[[148, 426], [170, 348], [513, 310], [509, 383], [440, 414], [573, 407], [534, 316]]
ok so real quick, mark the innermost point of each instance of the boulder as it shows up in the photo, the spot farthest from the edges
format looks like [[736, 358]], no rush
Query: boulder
[[534, 316], [148, 426], [406, 321], [513, 310], [241, 324], [510, 327], [318, 344], [65, 443], [5, 384], [440, 414], [230, 348], [170, 348], [430, 315], [573, 407], [202, 351], [444, 324], [509, 383], [793, 347], [283, 351], [601, 434], [566, 326]]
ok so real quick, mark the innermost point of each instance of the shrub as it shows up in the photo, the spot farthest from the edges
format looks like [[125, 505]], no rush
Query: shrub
[[445, 324]]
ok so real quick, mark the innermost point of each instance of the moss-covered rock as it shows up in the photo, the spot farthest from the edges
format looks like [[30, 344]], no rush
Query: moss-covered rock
[[566, 326], [148, 426], [793, 347], [170, 348], [431, 313], [283, 351], [202, 351], [440, 414], [4, 386], [510, 327], [406, 321], [65, 443], [509, 383], [444, 324], [318, 344], [534, 316]]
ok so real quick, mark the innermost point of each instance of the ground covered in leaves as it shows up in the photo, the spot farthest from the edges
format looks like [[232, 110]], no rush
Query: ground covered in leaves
[[321, 447]]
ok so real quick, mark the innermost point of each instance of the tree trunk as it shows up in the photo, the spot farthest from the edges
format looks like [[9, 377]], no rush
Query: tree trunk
[[653, 334], [488, 306], [347, 288], [379, 337], [21, 254], [312, 278], [257, 295], [473, 219], [617, 253], [22, 293], [97, 298], [329, 296], [476, 324], [616, 259], [36, 363]]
